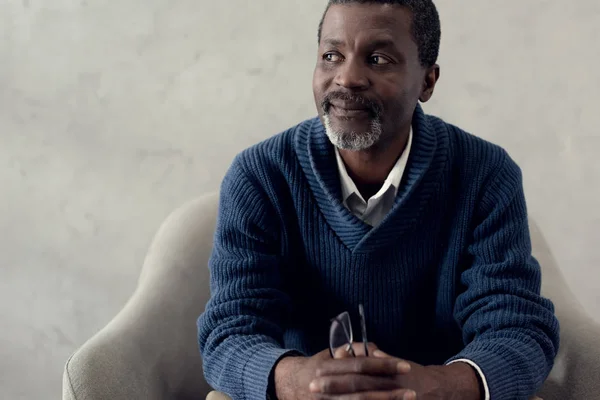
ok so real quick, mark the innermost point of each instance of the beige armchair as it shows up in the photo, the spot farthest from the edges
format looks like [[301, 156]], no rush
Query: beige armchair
[[149, 350]]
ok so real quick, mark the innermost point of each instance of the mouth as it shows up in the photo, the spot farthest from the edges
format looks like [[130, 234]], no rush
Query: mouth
[[349, 111], [349, 105]]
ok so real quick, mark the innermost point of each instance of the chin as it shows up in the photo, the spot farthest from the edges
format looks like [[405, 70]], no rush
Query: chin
[[350, 135]]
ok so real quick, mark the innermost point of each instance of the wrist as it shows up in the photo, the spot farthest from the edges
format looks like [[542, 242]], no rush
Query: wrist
[[463, 381], [283, 377]]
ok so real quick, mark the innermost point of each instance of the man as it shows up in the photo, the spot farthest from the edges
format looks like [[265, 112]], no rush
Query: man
[[379, 204]]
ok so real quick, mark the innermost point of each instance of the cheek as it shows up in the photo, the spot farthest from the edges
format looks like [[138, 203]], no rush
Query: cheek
[[315, 83], [399, 85], [395, 99], [389, 86], [413, 92], [319, 85], [400, 93], [319, 79]]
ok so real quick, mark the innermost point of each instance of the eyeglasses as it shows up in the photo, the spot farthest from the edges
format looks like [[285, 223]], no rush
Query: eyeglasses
[[340, 333]]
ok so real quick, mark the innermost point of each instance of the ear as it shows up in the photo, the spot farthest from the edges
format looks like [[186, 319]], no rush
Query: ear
[[432, 74]]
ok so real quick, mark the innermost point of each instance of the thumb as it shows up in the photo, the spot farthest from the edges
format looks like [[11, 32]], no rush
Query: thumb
[[410, 365], [359, 350], [323, 355]]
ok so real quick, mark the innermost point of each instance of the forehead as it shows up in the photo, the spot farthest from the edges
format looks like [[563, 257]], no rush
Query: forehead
[[356, 24]]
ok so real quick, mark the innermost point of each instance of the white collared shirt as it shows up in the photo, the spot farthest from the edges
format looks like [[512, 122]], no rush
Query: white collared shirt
[[374, 210]]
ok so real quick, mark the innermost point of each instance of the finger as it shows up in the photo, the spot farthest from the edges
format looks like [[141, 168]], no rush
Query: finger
[[359, 350], [363, 365], [400, 394], [323, 355], [342, 352], [380, 354], [352, 383]]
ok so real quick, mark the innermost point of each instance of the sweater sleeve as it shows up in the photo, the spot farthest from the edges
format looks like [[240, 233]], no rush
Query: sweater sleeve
[[240, 334], [509, 330]]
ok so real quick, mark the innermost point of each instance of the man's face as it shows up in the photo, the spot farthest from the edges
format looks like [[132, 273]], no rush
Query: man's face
[[368, 77]]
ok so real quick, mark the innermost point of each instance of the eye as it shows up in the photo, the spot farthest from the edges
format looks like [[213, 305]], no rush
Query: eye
[[332, 57], [379, 60]]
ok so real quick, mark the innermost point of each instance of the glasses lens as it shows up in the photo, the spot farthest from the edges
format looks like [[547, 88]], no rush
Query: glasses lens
[[340, 334]]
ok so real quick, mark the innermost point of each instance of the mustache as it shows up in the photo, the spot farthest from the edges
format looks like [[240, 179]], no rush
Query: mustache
[[374, 107]]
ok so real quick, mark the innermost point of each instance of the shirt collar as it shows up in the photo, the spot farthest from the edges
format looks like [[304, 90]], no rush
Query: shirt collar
[[392, 181]]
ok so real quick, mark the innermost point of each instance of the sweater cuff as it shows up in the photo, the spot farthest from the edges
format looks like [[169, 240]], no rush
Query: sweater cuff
[[504, 379], [258, 368], [486, 389]]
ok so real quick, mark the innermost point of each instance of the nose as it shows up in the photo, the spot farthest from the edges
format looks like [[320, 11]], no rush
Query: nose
[[352, 75]]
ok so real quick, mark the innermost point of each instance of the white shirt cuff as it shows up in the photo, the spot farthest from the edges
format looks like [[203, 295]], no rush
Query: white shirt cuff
[[481, 375]]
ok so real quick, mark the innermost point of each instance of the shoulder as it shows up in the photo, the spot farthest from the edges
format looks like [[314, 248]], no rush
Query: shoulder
[[265, 168], [270, 155], [471, 154], [479, 169]]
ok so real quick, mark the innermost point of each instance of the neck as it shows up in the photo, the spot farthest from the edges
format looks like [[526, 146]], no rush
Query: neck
[[369, 168]]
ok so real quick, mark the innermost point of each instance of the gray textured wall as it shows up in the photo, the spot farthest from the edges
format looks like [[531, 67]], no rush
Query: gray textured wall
[[113, 113]]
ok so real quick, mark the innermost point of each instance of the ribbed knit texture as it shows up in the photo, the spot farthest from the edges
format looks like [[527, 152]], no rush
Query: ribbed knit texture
[[448, 274]]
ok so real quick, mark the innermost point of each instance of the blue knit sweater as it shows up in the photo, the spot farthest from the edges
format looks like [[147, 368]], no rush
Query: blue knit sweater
[[448, 274]]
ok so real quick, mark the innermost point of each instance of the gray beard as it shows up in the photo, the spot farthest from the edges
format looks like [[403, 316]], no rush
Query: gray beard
[[353, 141]]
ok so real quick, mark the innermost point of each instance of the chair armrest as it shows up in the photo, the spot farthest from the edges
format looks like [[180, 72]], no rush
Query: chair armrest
[[150, 350], [576, 372], [111, 365]]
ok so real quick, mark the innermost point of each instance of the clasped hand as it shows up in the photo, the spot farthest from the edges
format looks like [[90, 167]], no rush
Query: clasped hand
[[380, 376]]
